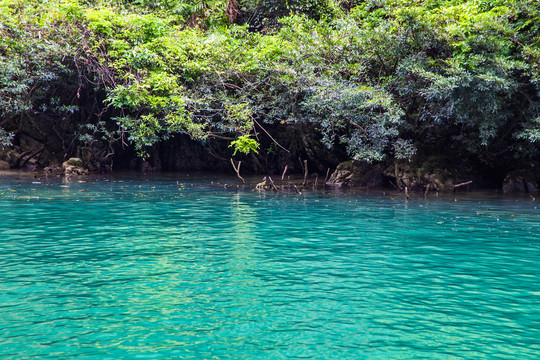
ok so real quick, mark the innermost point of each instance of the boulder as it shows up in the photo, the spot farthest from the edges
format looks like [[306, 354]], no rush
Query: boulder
[[53, 169], [356, 173], [11, 156], [519, 183], [419, 177], [74, 166]]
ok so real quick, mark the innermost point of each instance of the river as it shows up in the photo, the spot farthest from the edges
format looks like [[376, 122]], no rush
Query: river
[[175, 266]]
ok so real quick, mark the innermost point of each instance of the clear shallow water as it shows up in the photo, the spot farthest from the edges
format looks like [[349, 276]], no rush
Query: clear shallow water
[[135, 268]]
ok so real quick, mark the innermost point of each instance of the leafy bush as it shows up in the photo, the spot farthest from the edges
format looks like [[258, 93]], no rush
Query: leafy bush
[[384, 78]]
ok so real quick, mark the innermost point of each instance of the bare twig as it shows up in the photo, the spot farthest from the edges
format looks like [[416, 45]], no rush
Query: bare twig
[[272, 183], [396, 174], [31, 156], [356, 125], [305, 173], [216, 156], [270, 136], [221, 137], [427, 190], [462, 184], [284, 171], [237, 170]]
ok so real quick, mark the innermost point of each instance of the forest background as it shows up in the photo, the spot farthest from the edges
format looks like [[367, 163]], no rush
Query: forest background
[[450, 88]]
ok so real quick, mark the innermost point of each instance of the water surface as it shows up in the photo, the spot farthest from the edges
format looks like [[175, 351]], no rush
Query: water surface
[[181, 267]]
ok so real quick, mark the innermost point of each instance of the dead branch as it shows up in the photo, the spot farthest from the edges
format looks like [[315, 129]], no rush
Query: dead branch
[[23, 163], [221, 137], [396, 174], [427, 190], [462, 184], [305, 173], [356, 125], [272, 183], [284, 171], [270, 136], [237, 170]]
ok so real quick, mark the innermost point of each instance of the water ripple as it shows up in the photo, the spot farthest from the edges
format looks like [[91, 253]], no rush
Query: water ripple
[[146, 268]]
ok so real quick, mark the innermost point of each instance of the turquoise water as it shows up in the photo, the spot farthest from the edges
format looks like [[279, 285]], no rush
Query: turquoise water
[[148, 268]]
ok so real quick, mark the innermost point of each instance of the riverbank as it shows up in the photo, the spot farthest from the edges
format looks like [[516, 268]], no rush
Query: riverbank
[[291, 184], [434, 98]]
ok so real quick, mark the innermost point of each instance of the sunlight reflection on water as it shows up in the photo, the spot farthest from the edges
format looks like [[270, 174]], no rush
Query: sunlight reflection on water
[[134, 266]]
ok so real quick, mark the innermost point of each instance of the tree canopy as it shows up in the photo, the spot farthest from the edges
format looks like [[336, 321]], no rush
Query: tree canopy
[[383, 78]]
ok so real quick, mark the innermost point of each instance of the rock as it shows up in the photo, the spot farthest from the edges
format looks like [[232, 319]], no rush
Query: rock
[[31, 165], [147, 167], [4, 165], [518, 183], [513, 184], [29, 144], [74, 166], [356, 173], [417, 177], [74, 162], [10, 156], [53, 170]]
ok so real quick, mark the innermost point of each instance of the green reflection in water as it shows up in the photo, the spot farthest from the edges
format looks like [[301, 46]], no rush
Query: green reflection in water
[[141, 267]]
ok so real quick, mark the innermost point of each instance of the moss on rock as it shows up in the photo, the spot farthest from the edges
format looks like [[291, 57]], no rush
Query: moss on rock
[[74, 166], [357, 173]]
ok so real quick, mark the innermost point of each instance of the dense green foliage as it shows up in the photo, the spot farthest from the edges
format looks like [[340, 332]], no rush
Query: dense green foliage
[[385, 78]]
